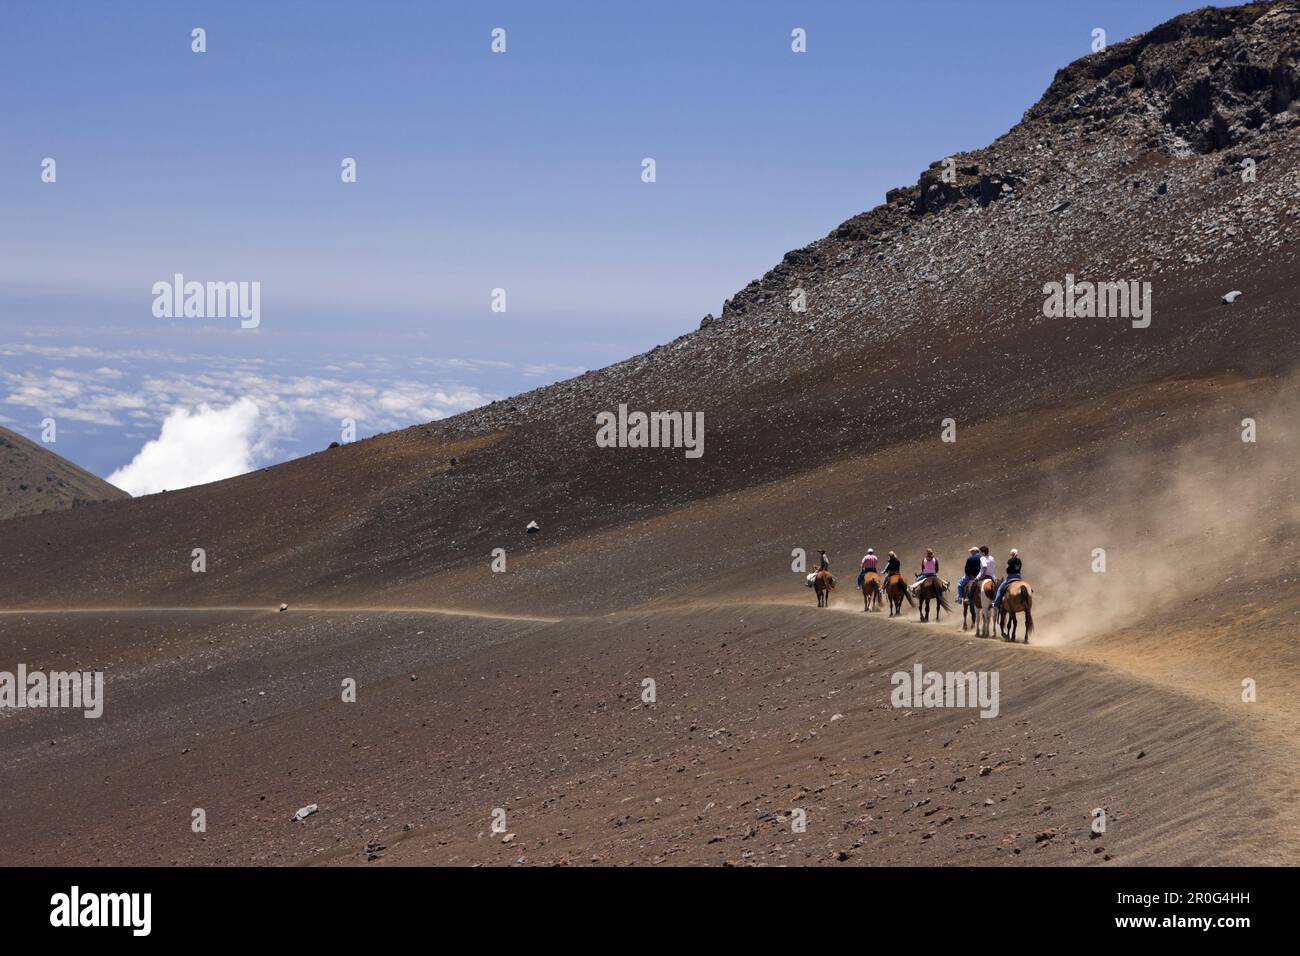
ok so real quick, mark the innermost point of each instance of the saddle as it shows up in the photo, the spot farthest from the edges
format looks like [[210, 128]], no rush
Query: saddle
[[939, 585]]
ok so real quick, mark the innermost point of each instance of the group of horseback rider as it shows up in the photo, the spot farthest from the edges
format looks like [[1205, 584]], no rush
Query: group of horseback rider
[[979, 566], [983, 597]]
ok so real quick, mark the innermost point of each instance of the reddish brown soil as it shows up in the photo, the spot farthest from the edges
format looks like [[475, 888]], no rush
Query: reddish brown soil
[[823, 429]]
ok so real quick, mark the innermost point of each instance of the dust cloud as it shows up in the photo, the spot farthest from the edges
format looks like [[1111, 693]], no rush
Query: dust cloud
[[1206, 513]]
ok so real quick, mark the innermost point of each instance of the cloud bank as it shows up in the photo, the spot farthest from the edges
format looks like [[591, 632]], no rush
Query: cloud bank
[[113, 400], [195, 447]]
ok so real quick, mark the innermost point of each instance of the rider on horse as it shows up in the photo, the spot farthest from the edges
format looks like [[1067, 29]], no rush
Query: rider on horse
[[893, 565], [1013, 574], [929, 567], [825, 564], [969, 572], [869, 561]]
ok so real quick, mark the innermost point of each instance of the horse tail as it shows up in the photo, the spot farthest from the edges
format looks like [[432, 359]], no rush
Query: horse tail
[[906, 592], [1029, 617]]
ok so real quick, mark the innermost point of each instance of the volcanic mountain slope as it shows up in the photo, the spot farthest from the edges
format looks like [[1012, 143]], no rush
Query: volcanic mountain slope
[[34, 480], [1165, 452]]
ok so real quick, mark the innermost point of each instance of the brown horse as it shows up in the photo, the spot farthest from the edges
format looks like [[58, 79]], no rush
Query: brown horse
[[1018, 597], [871, 591], [930, 590], [896, 590], [823, 584], [979, 604]]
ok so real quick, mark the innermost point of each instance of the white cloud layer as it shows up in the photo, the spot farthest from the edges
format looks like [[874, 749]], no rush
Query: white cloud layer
[[216, 417], [195, 447]]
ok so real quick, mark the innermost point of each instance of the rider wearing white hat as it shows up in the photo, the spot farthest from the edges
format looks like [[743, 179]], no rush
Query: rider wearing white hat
[[869, 562], [1013, 574]]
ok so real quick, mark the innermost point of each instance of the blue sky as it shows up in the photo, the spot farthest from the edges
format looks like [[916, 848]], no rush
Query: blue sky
[[476, 171]]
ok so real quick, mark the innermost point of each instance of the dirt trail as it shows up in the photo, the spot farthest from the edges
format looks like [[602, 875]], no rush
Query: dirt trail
[[313, 608]]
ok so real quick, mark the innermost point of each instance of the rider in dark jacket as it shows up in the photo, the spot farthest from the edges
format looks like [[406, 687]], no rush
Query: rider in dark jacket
[[1013, 574], [969, 572], [893, 565]]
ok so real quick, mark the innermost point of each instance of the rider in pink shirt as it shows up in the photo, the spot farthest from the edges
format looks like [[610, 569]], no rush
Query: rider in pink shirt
[[929, 565], [869, 561]]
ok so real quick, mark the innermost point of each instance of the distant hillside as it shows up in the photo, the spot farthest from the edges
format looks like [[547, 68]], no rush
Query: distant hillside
[[33, 479]]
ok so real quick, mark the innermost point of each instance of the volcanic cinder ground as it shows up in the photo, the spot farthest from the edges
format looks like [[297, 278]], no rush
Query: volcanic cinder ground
[[1167, 450]]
